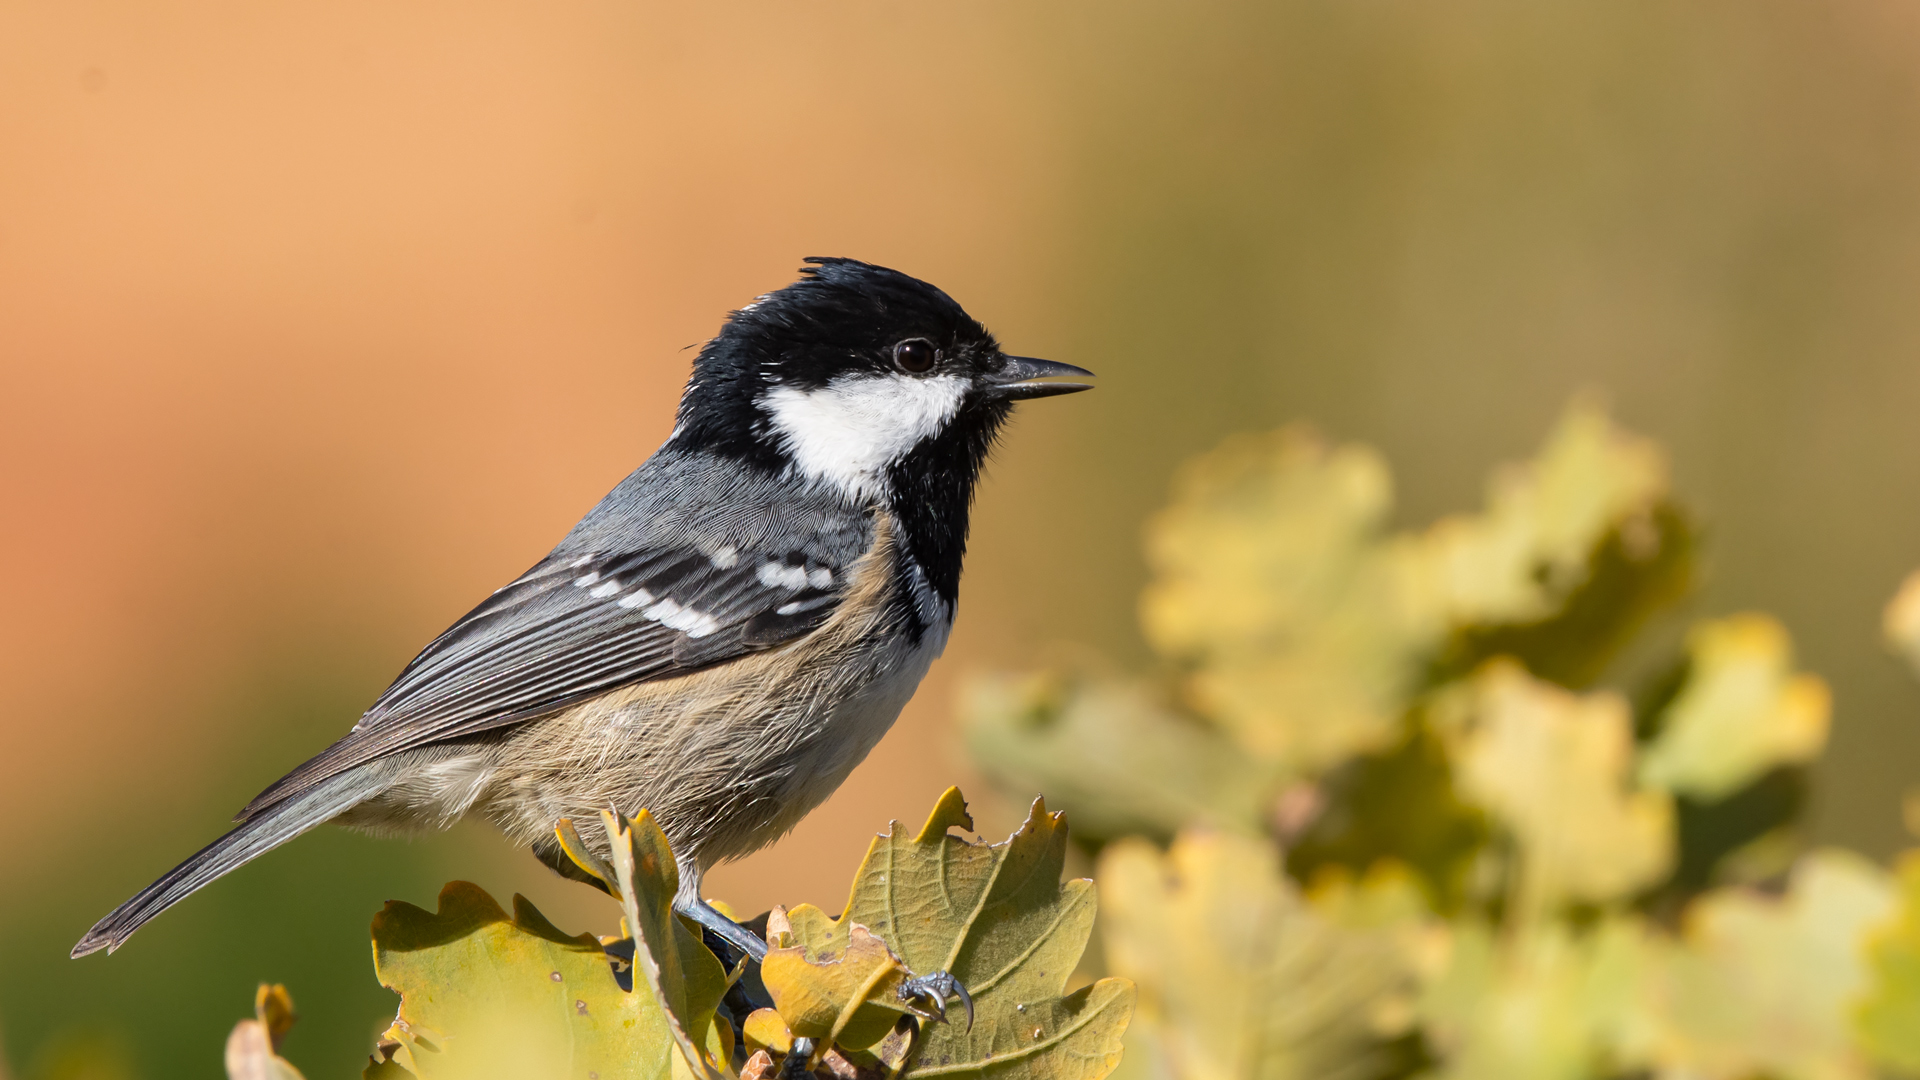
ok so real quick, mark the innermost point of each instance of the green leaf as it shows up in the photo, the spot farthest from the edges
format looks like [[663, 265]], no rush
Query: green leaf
[[1554, 768], [1767, 985], [1274, 576], [671, 961], [584, 857], [1741, 712], [381, 1066], [1522, 558], [1888, 1020], [1641, 566], [1310, 628], [1398, 805], [484, 994], [1541, 1001], [998, 918], [1747, 837], [1243, 976], [1121, 762]]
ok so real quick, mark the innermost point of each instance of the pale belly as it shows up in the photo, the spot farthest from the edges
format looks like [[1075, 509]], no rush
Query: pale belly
[[727, 761]]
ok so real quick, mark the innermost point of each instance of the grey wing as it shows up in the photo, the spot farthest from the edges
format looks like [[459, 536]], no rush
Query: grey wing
[[576, 626]]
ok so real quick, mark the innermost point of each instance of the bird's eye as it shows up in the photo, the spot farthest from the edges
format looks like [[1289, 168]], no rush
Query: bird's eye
[[915, 355]]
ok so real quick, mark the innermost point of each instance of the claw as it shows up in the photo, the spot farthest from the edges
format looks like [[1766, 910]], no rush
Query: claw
[[799, 1060], [937, 988]]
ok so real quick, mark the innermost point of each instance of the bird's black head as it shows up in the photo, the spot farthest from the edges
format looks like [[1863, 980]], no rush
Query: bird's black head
[[871, 382]]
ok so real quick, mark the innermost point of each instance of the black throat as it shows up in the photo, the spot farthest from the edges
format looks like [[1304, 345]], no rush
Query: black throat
[[930, 493]]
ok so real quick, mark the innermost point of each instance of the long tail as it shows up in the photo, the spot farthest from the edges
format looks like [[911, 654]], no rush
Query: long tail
[[256, 837]]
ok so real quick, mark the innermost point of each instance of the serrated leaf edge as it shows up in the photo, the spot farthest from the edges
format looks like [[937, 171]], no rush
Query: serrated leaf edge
[[1122, 995]]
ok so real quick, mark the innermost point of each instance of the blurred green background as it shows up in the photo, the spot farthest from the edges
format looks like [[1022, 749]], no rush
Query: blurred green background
[[318, 322]]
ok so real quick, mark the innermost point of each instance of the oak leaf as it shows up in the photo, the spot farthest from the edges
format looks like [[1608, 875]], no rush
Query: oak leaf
[[1001, 921], [1741, 712]]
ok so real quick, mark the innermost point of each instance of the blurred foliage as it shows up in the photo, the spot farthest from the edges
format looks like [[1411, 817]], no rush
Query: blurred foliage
[[1395, 804], [81, 1054], [1247, 976], [1763, 984], [253, 1049], [1087, 740], [1741, 712], [488, 994], [1552, 767], [1901, 624], [1890, 1016]]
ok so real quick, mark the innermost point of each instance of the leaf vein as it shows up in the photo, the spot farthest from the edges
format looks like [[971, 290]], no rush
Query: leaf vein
[[1051, 1041]]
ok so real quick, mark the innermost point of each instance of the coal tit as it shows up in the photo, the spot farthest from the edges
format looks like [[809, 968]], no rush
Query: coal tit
[[726, 635]]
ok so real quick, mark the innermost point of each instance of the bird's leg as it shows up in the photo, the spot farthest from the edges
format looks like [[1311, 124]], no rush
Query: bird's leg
[[795, 1066], [687, 902], [935, 988], [735, 935]]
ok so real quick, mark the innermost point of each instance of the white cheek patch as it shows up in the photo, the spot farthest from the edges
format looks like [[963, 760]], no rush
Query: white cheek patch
[[848, 432]]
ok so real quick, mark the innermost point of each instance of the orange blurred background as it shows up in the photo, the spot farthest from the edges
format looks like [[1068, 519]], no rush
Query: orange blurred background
[[320, 321]]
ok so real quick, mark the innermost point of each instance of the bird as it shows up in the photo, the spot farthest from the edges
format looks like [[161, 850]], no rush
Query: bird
[[724, 636]]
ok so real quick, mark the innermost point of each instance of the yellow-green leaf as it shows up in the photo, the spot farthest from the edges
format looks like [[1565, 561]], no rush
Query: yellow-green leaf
[[1640, 566], [1273, 572], [583, 856], [381, 1066], [1888, 1020], [1242, 976], [850, 997], [1742, 711], [998, 918], [1261, 537], [1540, 1001], [1766, 985], [484, 994], [1106, 750], [1516, 561], [668, 958], [1554, 767]]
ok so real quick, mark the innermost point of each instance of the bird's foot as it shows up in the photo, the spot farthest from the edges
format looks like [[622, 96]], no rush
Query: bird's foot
[[935, 989], [799, 1060]]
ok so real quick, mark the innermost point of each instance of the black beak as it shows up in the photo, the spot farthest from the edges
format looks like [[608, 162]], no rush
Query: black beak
[[1017, 380]]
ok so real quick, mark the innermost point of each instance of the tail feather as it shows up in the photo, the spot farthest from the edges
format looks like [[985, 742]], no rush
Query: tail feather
[[259, 835]]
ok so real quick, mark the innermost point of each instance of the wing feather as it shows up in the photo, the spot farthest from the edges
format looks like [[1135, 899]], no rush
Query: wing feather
[[575, 626]]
